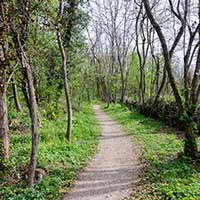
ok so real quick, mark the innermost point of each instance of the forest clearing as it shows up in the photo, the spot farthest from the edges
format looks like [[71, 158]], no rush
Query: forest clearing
[[99, 99]]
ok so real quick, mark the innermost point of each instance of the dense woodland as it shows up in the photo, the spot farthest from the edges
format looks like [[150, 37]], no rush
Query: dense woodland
[[59, 56]]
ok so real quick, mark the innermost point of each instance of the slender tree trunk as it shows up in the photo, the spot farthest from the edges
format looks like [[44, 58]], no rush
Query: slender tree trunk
[[155, 81], [64, 66], [34, 117], [16, 99], [122, 90], [20, 38], [121, 64], [98, 87], [115, 92], [142, 86], [25, 90], [80, 95], [66, 86], [161, 88], [88, 95]]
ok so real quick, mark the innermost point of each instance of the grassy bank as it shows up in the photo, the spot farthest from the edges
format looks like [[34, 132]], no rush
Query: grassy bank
[[58, 158], [166, 176]]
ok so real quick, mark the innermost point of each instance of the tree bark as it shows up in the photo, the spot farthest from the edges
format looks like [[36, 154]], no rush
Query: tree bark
[[16, 99], [190, 146], [163, 83], [4, 138], [34, 120], [33, 114], [64, 66]]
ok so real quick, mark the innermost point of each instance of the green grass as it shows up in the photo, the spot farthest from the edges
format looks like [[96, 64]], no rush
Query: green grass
[[166, 176], [62, 160]]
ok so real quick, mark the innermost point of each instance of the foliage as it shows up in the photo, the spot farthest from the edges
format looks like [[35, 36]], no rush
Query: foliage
[[166, 176], [61, 160]]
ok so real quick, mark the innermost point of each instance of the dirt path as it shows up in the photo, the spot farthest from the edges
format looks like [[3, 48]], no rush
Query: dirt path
[[115, 168]]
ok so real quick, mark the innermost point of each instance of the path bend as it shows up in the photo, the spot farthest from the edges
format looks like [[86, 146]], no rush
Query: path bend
[[114, 170]]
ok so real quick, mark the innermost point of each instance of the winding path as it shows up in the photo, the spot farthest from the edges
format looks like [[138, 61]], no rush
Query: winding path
[[113, 171]]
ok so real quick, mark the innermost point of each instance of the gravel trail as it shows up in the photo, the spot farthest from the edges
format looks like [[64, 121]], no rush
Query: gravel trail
[[114, 170]]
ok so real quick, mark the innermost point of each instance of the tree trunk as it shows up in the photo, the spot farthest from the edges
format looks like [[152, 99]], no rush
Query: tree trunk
[[34, 118], [20, 39], [4, 139], [64, 66], [190, 140], [29, 92], [155, 81], [190, 147], [88, 95], [16, 99], [163, 83], [122, 90], [66, 86], [142, 86]]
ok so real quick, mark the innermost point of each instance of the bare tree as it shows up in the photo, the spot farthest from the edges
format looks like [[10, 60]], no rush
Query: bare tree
[[114, 20], [191, 105]]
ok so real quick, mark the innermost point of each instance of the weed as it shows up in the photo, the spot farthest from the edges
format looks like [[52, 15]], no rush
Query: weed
[[167, 176], [62, 160]]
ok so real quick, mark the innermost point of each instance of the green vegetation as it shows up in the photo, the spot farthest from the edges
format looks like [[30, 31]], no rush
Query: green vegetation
[[167, 175], [61, 160], [68, 52]]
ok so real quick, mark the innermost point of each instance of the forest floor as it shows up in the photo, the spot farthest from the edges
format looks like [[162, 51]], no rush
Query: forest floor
[[165, 172], [60, 159], [113, 171]]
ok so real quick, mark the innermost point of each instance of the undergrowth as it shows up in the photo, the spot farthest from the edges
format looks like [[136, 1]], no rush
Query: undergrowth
[[60, 159], [167, 176]]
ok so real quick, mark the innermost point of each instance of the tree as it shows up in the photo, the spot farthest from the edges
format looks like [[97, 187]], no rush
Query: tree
[[4, 62], [20, 33], [187, 110]]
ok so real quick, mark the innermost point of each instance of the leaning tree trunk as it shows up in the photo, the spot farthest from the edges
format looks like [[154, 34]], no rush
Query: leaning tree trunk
[[34, 117], [34, 120], [20, 39], [4, 139], [16, 98], [64, 66]]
